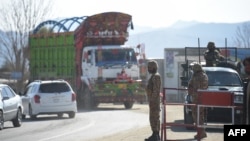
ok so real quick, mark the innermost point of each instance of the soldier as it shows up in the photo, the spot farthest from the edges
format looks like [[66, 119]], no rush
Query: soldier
[[246, 90], [212, 55], [153, 92], [199, 80]]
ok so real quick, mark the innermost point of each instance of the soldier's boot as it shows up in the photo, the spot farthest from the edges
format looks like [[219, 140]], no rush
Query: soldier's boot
[[202, 132], [154, 137], [149, 137]]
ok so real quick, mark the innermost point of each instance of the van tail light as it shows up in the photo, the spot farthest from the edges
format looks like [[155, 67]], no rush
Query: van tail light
[[73, 98], [37, 98]]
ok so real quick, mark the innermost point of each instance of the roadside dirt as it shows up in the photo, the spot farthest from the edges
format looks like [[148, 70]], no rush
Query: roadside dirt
[[135, 134], [174, 114]]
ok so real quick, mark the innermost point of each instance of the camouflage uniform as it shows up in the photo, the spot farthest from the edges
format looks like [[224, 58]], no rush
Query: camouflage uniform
[[246, 90], [153, 92], [212, 56], [199, 80]]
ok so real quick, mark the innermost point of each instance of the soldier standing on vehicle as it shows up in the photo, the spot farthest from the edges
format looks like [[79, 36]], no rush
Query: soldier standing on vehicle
[[153, 92], [212, 55], [246, 91], [199, 80]]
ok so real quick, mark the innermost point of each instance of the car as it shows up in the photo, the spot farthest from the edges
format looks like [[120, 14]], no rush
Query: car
[[48, 97], [220, 79], [10, 106]]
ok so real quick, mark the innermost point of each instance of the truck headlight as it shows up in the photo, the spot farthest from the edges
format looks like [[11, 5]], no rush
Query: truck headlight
[[238, 97]]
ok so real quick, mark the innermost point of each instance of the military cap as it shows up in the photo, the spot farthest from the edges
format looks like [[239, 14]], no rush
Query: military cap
[[197, 67], [211, 45]]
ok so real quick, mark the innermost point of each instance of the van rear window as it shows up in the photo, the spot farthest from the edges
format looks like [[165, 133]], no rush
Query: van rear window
[[54, 87]]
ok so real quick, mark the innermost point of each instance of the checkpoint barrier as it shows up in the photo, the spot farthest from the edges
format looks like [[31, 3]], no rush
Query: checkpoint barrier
[[206, 98], [219, 99], [166, 124]]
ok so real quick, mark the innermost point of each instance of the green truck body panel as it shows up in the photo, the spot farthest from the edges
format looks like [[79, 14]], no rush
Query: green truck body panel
[[53, 57]]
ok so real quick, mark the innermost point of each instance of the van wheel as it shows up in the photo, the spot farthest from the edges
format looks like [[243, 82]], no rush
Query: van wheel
[[72, 114]]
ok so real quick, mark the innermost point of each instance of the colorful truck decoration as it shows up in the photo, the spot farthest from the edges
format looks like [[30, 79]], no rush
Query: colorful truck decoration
[[91, 58]]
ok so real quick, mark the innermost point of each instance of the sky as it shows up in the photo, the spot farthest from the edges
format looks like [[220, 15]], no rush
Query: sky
[[159, 13]]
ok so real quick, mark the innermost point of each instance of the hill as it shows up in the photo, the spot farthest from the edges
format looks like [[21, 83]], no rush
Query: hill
[[184, 34]]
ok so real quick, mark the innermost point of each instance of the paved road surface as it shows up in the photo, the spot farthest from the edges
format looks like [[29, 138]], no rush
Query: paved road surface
[[106, 123]]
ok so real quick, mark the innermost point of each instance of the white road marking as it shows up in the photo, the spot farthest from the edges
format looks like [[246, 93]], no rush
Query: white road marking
[[71, 132]]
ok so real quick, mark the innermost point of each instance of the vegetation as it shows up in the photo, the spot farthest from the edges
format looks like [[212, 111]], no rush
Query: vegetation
[[20, 18], [242, 38]]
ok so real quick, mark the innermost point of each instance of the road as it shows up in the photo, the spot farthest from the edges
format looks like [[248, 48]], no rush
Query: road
[[107, 123], [105, 120]]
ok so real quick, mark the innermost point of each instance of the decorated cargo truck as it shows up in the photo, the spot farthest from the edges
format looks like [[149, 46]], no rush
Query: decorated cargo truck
[[93, 58]]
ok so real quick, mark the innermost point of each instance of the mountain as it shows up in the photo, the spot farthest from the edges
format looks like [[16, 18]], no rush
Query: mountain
[[184, 34]]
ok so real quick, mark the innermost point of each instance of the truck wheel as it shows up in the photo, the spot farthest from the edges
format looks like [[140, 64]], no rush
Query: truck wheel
[[128, 104], [87, 98], [79, 99]]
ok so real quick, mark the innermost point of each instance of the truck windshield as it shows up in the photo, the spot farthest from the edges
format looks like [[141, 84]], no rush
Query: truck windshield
[[112, 57]]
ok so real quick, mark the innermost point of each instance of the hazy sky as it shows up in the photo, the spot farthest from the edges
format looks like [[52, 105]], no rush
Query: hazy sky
[[160, 13]]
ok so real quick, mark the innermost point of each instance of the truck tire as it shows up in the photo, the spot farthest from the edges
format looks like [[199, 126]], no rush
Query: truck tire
[[79, 99], [87, 98], [128, 104]]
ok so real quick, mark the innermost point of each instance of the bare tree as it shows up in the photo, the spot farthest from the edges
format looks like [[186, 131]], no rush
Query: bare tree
[[18, 18], [243, 36]]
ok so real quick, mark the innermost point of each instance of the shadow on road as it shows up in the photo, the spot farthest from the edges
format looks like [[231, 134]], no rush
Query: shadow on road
[[107, 107], [184, 129]]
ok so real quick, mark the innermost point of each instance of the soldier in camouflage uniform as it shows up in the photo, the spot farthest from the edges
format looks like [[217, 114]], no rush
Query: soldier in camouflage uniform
[[153, 92], [199, 80], [212, 55], [246, 90]]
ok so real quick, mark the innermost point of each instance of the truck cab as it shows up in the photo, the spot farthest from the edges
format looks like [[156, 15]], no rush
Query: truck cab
[[106, 62], [111, 74]]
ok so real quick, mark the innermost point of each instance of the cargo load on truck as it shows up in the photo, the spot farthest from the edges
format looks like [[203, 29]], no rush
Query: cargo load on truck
[[93, 58]]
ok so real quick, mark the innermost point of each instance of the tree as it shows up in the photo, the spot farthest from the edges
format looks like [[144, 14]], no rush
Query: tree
[[18, 18], [243, 36]]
